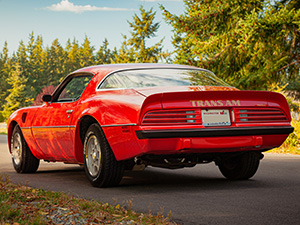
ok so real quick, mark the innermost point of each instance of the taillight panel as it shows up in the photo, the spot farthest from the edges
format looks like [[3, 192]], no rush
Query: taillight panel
[[258, 115], [176, 117], [193, 116]]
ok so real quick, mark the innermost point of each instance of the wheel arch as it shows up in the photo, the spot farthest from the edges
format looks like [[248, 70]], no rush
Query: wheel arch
[[83, 124], [10, 129]]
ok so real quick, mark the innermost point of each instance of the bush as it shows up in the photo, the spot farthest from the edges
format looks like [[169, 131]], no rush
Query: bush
[[1, 117], [294, 138], [292, 143]]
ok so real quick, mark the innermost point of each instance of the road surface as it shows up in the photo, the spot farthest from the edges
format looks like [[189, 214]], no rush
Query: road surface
[[198, 195]]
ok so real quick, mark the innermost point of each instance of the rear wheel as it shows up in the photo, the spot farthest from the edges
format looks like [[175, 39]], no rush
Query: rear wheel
[[100, 164], [240, 167], [22, 158]]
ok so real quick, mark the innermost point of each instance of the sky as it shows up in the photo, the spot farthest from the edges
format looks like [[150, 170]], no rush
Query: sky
[[69, 19]]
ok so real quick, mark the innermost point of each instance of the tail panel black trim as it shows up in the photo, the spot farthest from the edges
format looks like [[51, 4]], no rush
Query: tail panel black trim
[[213, 132]]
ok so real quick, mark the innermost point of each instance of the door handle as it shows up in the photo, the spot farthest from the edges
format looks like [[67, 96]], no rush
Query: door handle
[[69, 111]]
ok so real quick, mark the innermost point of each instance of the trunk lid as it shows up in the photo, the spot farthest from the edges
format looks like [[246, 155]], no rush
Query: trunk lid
[[256, 105]]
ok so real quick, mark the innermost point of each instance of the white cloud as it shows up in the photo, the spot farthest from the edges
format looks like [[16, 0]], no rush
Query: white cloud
[[66, 6]]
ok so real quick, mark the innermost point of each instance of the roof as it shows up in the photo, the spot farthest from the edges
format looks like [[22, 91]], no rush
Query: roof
[[115, 67]]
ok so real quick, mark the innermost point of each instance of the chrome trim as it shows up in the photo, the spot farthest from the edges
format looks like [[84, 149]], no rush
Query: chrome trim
[[119, 125], [40, 127], [24, 128]]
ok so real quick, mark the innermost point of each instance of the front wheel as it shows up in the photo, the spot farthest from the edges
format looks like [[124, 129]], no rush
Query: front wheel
[[100, 164], [22, 158], [240, 167]]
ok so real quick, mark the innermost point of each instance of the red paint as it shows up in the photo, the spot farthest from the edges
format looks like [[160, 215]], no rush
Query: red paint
[[53, 133]]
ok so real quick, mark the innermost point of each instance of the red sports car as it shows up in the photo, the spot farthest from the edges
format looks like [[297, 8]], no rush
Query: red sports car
[[115, 117]]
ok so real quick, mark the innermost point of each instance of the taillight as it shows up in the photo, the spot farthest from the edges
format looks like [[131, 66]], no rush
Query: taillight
[[180, 116], [259, 115]]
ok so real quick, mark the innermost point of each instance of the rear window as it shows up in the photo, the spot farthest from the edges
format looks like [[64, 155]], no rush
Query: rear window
[[141, 78]]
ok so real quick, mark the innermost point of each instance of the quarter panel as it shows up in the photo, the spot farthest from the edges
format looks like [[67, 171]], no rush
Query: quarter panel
[[116, 111]]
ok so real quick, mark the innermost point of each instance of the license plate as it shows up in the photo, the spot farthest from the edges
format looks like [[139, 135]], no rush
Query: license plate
[[215, 117]]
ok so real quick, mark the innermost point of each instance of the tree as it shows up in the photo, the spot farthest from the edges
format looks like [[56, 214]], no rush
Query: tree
[[55, 63], [250, 44], [5, 67], [86, 53], [4, 71], [134, 49], [105, 55], [17, 95], [73, 56], [34, 69]]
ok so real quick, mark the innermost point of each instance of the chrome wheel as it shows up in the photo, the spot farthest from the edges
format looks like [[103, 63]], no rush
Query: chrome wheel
[[93, 155], [100, 165], [22, 158], [16, 148]]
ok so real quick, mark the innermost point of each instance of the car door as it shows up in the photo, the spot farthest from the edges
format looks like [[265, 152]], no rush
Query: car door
[[51, 126]]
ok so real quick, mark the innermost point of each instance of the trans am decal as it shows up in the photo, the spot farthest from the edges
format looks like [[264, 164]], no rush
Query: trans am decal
[[203, 103]]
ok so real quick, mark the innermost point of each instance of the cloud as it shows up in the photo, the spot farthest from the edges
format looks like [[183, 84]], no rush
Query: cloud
[[66, 6]]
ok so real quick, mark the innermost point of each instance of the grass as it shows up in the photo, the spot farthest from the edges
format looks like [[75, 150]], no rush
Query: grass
[[26, 205]]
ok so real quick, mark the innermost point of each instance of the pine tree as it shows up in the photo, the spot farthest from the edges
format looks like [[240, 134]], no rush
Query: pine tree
[[250, 44], [5, 68], [4, 71], [126, 54], [104, 54], [86, 53], [135, 49], [34, 69], [17, 94], [73, 56], [55, 63]]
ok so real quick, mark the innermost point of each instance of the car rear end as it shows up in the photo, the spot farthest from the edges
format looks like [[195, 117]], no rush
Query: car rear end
[[189, 116], [213, 121]]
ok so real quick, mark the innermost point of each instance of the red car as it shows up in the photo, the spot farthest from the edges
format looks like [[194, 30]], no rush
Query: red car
[[114, 117]]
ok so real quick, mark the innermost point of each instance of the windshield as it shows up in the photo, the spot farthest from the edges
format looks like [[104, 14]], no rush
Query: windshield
[[161, 77]]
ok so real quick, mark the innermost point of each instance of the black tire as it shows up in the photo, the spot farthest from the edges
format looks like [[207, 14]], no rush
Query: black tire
[[22, 158], [100, 165], [240, 167]]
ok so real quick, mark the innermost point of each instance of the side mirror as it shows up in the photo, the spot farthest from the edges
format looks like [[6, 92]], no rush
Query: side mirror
[[47, 98]]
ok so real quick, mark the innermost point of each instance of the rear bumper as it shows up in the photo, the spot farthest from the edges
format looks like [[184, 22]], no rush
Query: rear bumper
[[213, 132]]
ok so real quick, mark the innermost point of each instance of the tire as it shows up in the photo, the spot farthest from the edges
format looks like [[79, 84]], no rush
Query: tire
[[100, 165], [240, 167], [22, 158]]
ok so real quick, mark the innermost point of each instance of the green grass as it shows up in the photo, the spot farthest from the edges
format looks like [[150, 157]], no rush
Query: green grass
[[25, 205]]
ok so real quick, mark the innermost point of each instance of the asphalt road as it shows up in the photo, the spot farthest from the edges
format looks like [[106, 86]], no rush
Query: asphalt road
[[198, 195]]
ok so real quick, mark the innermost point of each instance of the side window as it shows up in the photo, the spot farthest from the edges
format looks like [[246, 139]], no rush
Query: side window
[[113, 81], [74, 88], [122, 80]]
